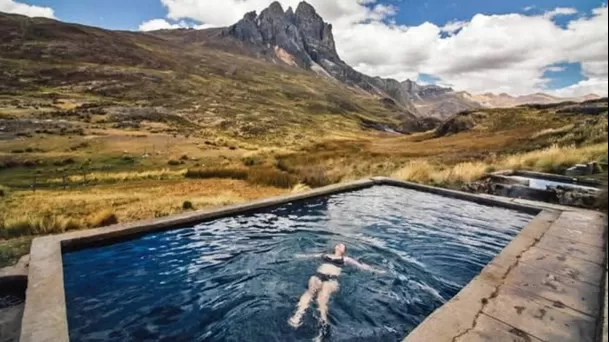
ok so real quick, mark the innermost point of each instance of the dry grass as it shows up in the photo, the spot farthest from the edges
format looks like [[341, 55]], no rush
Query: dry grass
[[133, 201], [553, 131], [300, 188], [422, 171], [265, 176], [555, 158], [36, 224], [102, 218], [162, 174], [551, 159]]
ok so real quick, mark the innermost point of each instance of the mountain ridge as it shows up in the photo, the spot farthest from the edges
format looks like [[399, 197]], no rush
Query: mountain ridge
[[299, 39], [302, 38]]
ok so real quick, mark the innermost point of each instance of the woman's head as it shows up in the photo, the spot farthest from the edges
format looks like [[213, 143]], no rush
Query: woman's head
[[340, 249]]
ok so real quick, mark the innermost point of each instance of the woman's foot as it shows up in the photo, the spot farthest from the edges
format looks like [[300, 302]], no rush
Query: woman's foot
[[295, 321], [324, 331]]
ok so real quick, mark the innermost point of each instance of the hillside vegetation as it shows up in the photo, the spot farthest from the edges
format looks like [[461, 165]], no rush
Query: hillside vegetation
[[98, 127]]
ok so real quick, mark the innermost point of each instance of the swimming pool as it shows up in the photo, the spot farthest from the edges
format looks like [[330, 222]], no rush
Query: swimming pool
[[235, 279]]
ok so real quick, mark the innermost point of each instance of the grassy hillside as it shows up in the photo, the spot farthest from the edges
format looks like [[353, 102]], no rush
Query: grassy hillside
[[99, 127]]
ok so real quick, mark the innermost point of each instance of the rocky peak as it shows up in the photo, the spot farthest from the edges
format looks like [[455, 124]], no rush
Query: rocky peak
[[301, 33], [274, 10], [289, 14], [306, 10], [250, 16]]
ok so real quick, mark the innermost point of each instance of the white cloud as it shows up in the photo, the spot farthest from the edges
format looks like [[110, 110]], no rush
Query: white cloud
[[529, 8], [161, 24], [452, 27], [10, 6], [496, 53], [560, 11]]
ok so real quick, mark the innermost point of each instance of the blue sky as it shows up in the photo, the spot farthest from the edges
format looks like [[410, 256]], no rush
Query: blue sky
[[129, 14], [496, 27]]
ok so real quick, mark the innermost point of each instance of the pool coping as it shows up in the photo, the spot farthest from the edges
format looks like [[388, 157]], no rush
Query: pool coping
[[45, 315], [550, 177]]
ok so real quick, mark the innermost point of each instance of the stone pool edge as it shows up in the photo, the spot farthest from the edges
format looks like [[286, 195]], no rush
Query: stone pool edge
[[45, 314]]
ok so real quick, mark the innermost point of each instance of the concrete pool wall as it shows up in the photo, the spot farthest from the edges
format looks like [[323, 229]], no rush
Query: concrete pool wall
[[45, 318]]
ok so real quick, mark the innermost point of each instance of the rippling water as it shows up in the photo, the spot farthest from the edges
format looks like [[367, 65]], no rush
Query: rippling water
[[234, 279]]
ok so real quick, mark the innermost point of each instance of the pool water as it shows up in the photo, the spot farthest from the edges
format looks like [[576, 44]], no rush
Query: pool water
[[235, 279], [542, 184]]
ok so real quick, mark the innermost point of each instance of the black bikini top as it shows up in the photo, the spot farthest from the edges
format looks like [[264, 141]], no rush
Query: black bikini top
[[338, 262]]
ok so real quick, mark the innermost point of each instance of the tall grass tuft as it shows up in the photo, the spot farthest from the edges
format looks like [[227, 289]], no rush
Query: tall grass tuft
[[217, 173], [36, 225], [102, 218], [419, 171], [316, 177], [271, 177], [554, 159]]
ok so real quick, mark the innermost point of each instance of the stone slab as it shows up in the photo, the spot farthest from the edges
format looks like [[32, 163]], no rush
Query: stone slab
[[546, 320], [591, 226], [540, 224], [577, 295], [44, 316], [490, 329], [577, 233], [574, 249], [565, 265], [457, 316], [606, 313], [587, 217]]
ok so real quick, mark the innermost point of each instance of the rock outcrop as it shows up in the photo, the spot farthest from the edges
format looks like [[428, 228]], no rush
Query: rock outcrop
[[309, 43]]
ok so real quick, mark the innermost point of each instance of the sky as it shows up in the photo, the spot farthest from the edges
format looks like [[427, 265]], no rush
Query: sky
[[518, 47]]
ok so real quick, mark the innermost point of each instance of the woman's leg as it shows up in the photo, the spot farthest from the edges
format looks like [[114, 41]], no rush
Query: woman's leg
[[327, 289], [314, 285]]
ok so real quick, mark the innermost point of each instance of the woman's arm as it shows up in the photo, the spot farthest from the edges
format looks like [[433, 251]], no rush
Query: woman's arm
[[362, 266], [308, 256]]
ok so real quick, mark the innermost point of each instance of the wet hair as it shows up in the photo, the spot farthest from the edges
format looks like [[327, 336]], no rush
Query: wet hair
[[344, 247]]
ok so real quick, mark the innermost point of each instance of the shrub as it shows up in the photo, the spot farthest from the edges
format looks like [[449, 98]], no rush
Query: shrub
[[315, 177], [17, 151], [217, 173], [184, 157], [3, 191], [251, 161], [187, 205], [272, 177], [103, 218], [174, 162]]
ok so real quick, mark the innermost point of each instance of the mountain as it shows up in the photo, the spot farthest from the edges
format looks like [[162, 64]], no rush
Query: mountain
[[192, 81], [282, 63], [504, 100], [302, 38]]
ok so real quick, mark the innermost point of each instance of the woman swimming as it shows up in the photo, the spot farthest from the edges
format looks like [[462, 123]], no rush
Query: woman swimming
[[324, 283]]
